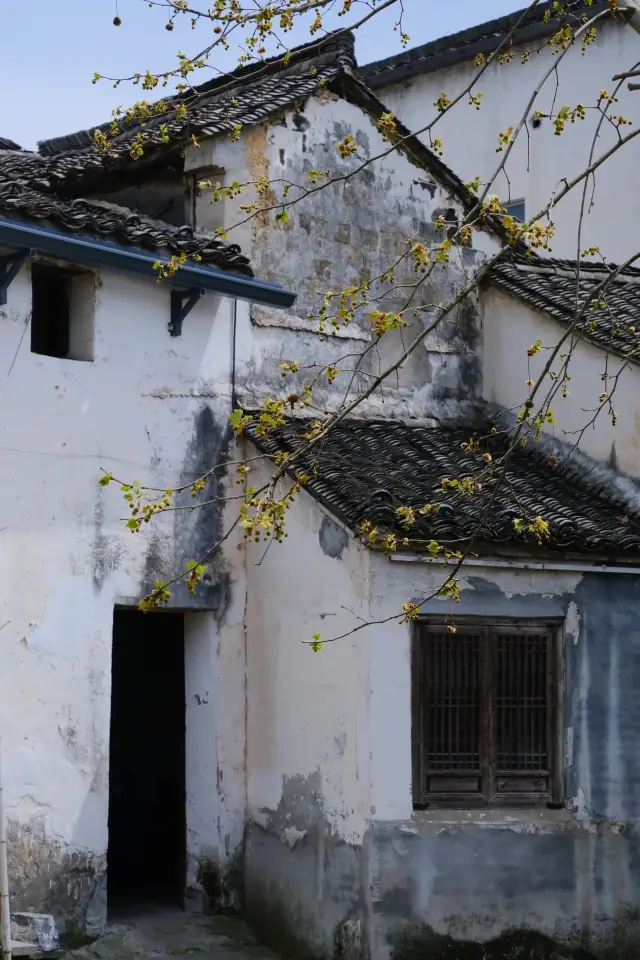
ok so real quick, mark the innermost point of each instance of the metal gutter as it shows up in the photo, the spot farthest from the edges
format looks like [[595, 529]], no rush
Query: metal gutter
[[490, 563], [37, 239]]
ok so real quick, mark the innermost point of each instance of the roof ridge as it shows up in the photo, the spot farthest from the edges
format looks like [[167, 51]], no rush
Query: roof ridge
[[464, 44], [572, 269], [6, 144], [335, 43]]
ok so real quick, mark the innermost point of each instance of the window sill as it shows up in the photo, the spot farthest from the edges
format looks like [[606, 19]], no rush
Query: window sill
[[496, 816], [428, 824]]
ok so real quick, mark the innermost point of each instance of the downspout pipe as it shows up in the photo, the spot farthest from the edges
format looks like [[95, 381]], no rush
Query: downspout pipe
[[37, 239]]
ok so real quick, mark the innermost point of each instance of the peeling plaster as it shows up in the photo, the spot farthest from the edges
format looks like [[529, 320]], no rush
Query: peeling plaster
[[333, 539], [337, 238], [572, 623]]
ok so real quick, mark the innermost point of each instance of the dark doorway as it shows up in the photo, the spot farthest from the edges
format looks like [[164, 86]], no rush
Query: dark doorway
[[147, 823]]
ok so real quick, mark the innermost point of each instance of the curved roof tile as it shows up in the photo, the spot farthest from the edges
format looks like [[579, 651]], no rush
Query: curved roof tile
[[365, 469]]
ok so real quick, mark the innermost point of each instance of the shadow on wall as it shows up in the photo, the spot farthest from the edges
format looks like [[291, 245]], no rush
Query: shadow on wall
[[195, 533]]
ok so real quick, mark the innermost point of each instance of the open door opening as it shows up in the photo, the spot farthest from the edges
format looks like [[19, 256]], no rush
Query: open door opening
[[146, 857]]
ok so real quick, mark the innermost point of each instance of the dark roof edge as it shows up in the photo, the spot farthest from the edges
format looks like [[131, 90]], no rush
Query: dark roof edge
[[7, 144], [460, 47]]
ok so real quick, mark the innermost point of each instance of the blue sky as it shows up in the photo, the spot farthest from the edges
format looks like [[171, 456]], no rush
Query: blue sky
[[50, 49]]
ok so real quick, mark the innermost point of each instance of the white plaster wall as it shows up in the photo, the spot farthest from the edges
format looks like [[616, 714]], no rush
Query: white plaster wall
[[215, 738], [510, 328], [202, 689], [307, 712], [270, 149], [65, 557], [539, 163]]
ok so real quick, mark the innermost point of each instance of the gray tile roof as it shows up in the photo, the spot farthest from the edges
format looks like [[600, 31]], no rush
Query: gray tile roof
[[550, 285], [37, 185], [26, 167], [467, 44], [20, 200], [364, 470], [258, 91], [247, 96]]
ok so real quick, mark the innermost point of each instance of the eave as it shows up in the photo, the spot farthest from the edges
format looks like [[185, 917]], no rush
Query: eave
[[41, 240]]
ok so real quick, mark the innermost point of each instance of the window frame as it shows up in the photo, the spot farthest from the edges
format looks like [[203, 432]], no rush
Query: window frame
[[489, 796]]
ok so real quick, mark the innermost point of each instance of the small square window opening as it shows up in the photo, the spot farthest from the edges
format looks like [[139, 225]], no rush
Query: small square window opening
[[515, 208], [62, 313], [487, 714]]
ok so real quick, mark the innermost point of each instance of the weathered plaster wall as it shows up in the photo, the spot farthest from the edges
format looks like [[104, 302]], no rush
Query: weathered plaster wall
[[336, 859], [572, 874], [150, 408], [308, 752], [510, 328], [350, 232], [540, 161]]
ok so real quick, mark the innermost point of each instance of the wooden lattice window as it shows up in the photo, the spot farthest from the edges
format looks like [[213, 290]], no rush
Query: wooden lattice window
[[487, 719]]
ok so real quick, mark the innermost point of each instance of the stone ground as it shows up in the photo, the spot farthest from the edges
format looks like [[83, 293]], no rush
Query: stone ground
[[169, 934]]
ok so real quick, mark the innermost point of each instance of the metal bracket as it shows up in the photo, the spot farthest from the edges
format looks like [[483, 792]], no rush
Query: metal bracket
[[9, 268], [182, 303]]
